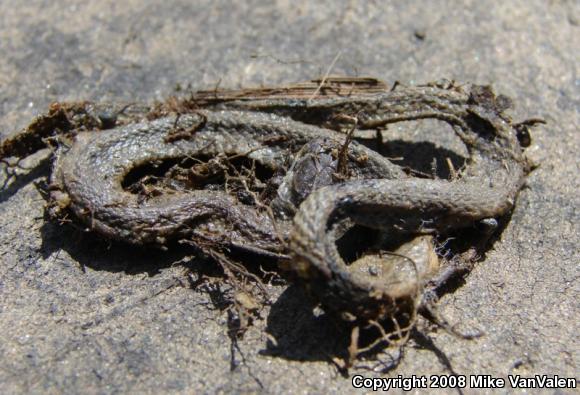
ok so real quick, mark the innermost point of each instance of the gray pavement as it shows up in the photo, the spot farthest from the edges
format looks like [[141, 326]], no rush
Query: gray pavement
[[79, 316]]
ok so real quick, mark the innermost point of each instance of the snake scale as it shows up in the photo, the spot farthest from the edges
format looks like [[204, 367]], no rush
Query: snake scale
[[292, 135]]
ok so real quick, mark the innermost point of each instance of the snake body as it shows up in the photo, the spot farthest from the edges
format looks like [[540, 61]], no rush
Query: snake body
[[486, 189], [292, 135], [89, 177]]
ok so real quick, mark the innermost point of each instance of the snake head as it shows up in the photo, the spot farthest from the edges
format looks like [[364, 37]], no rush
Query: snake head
[[489, 107], [487, 119]]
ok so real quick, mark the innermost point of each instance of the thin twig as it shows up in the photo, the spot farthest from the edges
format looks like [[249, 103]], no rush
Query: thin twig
[[323, 81]]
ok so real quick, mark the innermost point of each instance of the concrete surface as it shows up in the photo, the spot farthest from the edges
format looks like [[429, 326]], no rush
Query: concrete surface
[[79, 316]]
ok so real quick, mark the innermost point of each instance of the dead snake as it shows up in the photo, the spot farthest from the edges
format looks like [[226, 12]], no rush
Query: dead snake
[[88, 179]]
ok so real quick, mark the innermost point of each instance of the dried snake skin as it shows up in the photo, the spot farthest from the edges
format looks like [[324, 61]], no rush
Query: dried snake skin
[[486, 189], [289, 132], [88, 177]]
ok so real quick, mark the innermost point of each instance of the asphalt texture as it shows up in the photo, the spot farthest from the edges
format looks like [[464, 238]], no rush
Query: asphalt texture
[[80, 316]]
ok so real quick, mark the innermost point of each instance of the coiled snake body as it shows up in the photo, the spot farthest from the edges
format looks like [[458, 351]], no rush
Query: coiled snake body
[[313, 205]]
